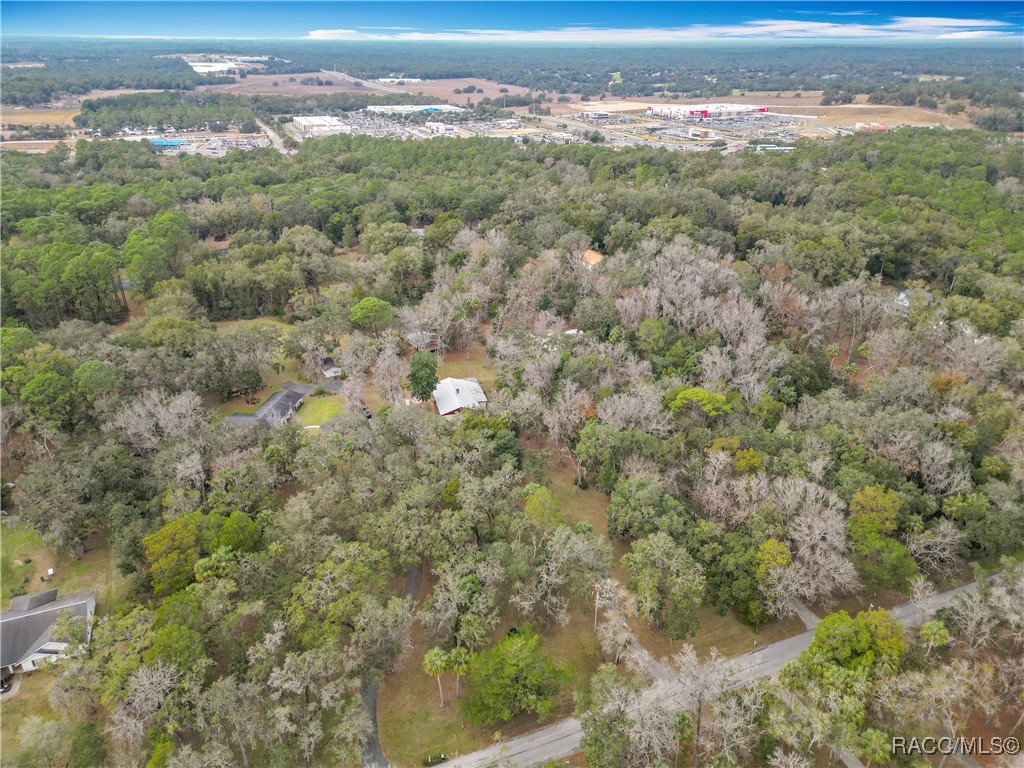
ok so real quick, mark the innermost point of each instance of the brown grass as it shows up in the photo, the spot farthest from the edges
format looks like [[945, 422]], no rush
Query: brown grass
[[445, 89], [264, 84], [18, 116]]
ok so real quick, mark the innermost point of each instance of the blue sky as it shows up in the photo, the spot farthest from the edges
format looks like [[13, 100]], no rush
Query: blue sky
[[629, 21]]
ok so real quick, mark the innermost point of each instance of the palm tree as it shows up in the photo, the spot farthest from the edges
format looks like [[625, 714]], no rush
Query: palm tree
[[435, 664], [458, 664]]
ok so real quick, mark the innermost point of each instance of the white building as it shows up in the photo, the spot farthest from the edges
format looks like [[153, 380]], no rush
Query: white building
[[409, 109], [702, 111], [317, 126], [452, 395], [441, 129]]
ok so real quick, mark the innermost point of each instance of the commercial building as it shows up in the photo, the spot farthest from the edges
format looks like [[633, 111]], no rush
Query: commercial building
[[317, 126], [410, 109], [703, 111]]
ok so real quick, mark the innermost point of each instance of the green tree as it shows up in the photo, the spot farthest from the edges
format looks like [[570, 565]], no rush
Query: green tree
[[542, 508], [176, 644], [240, 532], [514, 676], [668, 583], [423, 375], [934, 633], [173, 552], [435, 664], [458, 664], [370, 314]]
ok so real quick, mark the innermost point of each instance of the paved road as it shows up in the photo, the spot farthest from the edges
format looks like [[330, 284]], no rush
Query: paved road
[[275, 139], [563, 738]]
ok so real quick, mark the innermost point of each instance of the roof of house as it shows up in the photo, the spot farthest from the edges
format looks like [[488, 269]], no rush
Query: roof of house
[[25, 628], [275, 409], [592, 257], [423, 339], [451, 395]]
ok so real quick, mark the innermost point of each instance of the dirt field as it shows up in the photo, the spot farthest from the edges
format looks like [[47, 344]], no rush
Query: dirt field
[[848, 114], [25, 64], [16, 116]]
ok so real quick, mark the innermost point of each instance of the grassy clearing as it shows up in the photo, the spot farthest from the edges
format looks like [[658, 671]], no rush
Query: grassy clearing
[[38, 116], [317, 411], [94, 570]]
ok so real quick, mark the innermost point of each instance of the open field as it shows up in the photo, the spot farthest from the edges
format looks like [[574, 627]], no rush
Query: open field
[[444, 89], [42, 116], [848, 114], [254, 85]]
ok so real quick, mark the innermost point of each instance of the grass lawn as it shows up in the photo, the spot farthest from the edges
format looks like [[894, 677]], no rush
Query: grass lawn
[[94, 570], [472, 361], [272, 383], [317, 411], [30, 701]]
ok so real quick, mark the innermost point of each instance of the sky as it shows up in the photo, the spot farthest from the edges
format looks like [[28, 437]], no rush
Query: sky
[[491, 21]]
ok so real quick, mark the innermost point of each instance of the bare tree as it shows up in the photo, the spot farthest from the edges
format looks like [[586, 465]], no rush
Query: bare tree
[[697, 687], [936, 549]]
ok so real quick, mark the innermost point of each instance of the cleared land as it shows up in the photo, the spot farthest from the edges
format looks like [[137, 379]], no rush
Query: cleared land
[[17, 116], [255, 85]]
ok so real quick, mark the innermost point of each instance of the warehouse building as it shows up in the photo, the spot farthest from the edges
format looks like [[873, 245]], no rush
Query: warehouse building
[[317, 126], [703, 111]]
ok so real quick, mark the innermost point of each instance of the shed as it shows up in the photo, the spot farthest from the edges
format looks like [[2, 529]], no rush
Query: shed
[[329, 368], [592, 257], [423, 340]]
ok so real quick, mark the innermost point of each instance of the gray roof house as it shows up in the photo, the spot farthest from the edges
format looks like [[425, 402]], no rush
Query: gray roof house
[[452, 395], [276, 409], [26, 629]]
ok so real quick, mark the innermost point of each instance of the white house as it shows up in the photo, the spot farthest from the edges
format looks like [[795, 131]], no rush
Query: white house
[[26, 630], [452, 395]]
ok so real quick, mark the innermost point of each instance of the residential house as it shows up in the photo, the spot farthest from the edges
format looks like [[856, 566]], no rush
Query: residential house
[[27, 629], [453, 395]]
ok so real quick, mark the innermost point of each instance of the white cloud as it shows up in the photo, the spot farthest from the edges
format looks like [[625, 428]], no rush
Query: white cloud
[[900, 28]]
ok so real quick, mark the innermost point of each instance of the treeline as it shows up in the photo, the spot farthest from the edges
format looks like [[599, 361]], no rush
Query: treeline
[[196, 109], [79, 75]]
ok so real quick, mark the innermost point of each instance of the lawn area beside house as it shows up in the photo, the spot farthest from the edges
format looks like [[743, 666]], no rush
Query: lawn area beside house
[[31, 700], [470, 362], [95, 569], [318, 410]]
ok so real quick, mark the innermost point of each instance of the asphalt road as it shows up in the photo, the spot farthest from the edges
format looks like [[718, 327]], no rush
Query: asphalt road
[[275, 139], [563, 738]]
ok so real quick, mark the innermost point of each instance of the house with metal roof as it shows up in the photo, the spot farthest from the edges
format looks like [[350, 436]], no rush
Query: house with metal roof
[[276, 409], [27, 629], [452, 395]]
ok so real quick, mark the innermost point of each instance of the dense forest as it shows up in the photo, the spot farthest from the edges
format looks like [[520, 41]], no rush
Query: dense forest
[[766, 426], [75, 76], [193, 109], [987, 75]]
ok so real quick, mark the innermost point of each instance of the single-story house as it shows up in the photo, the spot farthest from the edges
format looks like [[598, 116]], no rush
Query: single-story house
[[423, 340], [276, 409], [26, 629], [452, 395], [329, 368], [592, 258]]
